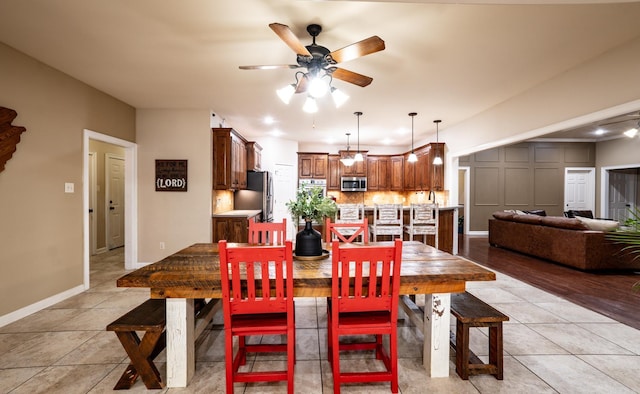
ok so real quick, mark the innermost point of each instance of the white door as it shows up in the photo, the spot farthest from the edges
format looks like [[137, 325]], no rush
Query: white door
[[115, 201], [284, 190], [579, 189], [622, 190]]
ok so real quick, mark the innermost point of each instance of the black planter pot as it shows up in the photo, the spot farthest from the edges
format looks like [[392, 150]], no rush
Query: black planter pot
[[308, 241]]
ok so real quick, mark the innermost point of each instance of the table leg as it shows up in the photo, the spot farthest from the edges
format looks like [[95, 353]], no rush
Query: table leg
[[437, 313], [180, 342]]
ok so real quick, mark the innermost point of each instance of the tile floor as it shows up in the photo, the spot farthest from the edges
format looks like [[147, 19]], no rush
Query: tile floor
[[551, 346]]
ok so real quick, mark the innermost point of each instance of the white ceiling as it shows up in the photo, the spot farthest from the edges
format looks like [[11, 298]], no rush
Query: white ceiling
[[444, 61]]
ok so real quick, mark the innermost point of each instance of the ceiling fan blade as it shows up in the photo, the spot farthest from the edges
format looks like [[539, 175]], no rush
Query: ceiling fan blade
[[361, 48], [271, 67], [351, 77], [286, 35], [303, 84]]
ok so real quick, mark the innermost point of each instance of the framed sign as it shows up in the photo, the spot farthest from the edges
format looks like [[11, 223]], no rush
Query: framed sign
[[171, 175]]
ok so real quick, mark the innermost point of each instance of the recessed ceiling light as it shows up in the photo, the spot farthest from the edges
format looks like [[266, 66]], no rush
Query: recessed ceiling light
[[276, 133], [600, 131], [268, 120]]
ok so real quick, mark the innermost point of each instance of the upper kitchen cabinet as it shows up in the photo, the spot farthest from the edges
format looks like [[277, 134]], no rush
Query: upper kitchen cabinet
[[396, 164], [359, 168], [312, 165], [437, 176], [378, 173], [422, 168], [333, 175], [254, 156], [229, 160]]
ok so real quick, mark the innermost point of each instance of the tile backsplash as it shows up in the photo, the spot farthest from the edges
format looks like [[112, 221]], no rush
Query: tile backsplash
[[388, 197]]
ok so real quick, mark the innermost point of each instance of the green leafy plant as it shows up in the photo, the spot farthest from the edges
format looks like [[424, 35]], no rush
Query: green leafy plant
[[629, 235], [311, 205]]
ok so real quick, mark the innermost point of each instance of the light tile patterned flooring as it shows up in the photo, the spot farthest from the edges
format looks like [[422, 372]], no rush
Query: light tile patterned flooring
[[551, 346]]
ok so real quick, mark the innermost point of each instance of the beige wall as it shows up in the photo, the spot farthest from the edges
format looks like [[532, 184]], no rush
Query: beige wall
[[523, 176], [41, 240], [178, 219]]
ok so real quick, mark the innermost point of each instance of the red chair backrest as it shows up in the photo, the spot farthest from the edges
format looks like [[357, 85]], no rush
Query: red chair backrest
[[256, 279], [267, 233], [333, 231], [366, 278]]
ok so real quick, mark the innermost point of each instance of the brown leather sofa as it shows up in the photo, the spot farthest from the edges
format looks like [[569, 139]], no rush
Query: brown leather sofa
[[562, 240]]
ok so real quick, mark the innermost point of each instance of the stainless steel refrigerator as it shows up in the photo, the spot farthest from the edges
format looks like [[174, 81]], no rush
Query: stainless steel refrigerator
[[258, 195]]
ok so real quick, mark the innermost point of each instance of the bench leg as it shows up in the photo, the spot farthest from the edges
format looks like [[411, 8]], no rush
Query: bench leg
[[495, 350], [141, 354], [462, 350]]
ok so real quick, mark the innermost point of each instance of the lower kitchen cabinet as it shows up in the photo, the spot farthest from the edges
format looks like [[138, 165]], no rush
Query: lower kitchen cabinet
[[232, 229]]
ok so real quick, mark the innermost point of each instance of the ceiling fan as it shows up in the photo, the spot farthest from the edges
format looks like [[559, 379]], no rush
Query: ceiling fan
[[320, 61]]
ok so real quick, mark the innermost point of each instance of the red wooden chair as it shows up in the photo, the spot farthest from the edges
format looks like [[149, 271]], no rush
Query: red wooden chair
[[347, 232], [364, 301], [257, 295], [267, 233]]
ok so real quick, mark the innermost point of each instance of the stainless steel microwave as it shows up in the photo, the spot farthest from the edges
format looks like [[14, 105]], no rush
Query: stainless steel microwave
[[353, 184]]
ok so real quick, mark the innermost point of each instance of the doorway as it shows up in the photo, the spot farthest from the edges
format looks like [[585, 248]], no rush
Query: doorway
[[130, 197], [580, 189], [620, 192], [114, 182]]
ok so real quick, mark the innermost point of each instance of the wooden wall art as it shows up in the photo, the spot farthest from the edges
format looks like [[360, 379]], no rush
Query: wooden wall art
[[9, 135]]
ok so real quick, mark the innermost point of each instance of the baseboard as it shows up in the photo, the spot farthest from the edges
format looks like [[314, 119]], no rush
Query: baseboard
[[40, 305], [483, 233]]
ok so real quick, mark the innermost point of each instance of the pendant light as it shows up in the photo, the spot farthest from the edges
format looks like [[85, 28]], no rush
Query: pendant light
[[358, 156], [348, 159], [437, 160], [412, 157]]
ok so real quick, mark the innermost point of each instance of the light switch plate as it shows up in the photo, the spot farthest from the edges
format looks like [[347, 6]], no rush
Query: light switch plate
[[68, 187]]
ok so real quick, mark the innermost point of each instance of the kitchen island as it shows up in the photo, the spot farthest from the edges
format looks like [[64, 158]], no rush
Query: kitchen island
[[447, 223]]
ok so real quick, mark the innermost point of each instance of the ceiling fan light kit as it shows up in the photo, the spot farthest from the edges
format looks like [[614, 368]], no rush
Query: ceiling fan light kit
[[320, 63]]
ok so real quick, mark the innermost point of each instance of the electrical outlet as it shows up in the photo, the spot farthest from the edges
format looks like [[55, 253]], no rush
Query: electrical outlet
[[68, 187], [161, 245]]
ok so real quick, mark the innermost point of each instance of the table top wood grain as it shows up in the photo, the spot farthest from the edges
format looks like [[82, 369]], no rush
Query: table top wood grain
[[194, 272]]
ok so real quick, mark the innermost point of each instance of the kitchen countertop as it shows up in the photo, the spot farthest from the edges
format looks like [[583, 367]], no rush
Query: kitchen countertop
[[406, 207], [238, 213]]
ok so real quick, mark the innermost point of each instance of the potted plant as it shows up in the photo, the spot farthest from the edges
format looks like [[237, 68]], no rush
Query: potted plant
[[312, 206], [629, 234]]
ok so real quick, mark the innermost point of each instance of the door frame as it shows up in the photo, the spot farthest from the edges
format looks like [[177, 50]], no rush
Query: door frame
[[92, 201], [130, 198], [591, 190]]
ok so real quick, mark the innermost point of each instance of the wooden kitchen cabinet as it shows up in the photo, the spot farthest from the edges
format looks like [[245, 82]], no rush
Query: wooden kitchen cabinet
[[437, 173], [378, 173], [397, 172], [233, 229], [254, 156], [422, 169], [333, 173], [408, 174], [312, 165], [229, 160]]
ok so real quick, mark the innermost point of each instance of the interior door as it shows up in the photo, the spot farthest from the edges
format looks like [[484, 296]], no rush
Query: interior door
[[115, 201], [579, 189], [622, 190]]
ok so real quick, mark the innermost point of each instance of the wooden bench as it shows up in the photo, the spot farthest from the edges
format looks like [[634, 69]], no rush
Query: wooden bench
[[470, 311], [150, 318]]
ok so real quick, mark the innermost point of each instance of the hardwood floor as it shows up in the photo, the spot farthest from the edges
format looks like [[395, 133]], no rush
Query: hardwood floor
[[607, 293]]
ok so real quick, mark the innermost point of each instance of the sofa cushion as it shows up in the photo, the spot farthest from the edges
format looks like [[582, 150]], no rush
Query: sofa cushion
[[539, 212], [562, 222], [531, 219], [503, 215], [598, 224]]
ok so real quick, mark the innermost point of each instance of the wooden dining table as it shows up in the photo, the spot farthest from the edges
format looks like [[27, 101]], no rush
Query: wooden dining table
[[194, 273]]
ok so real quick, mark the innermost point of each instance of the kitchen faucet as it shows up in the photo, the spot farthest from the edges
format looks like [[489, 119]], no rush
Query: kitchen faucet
[[432, 194]]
